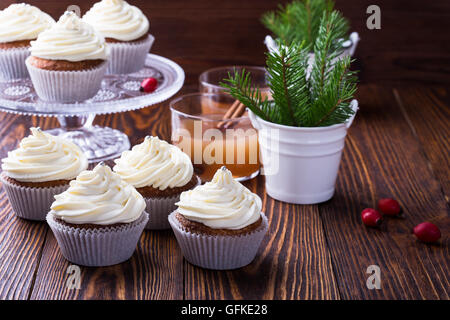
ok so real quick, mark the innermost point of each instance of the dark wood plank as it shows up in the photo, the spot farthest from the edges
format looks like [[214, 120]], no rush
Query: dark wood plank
[[200, 34], [156, 269], [382, 158], [292, 263], [428, 113], [21, 241]]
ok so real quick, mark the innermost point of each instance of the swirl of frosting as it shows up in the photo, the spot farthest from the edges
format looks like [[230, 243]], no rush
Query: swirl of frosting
[[222, 203], [98, 196], [155, 163], [70, 39], [23, 22], [118, 20], [42, 157]]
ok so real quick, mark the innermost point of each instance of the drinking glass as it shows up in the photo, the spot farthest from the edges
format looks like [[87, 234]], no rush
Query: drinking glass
[[199, 130], [209, 81]]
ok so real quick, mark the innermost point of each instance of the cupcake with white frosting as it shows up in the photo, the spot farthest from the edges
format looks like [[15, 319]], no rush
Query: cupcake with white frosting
[[219, 225], [19, 24], [160, 172], [68, 61], [125, 29], [98, 221], [39, 168]]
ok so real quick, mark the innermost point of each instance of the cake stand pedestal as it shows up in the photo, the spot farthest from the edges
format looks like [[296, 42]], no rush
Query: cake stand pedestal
[[119, 93]]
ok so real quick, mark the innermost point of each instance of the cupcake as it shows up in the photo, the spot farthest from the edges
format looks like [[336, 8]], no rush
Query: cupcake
[[98, 221], [219, 225], [125, 29], [68, 61], [39, 168], [160, 172], [19, 24]]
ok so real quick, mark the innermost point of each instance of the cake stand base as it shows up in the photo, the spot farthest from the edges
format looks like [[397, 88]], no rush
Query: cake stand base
[[98, 143]]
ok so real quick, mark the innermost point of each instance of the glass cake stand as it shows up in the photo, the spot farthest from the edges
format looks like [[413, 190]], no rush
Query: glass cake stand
[[119, 93]]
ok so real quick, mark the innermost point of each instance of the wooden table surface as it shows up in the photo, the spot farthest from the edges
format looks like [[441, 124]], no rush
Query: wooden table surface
[[398, 147]]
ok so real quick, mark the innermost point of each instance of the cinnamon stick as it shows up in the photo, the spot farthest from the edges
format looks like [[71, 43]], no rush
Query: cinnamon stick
[[236, 110]]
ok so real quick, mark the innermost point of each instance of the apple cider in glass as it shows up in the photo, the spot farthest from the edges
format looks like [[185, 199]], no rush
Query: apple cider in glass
[[199, 130]]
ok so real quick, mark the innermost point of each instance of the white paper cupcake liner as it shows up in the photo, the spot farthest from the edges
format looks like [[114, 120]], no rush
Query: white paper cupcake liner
[[219, 252], [12, 63], [128, 57], [98, 247], [159, 210], [66, 86], [31, 203]]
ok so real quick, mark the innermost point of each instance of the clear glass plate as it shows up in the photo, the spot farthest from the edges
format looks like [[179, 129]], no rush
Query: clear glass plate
[[119, 93]]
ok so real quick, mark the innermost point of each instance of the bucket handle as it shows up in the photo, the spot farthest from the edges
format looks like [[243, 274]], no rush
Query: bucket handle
[[270, 44], [354, 106], [354, 37]]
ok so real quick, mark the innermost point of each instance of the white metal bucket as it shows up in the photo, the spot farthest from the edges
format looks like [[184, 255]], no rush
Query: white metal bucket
[[301, 164]]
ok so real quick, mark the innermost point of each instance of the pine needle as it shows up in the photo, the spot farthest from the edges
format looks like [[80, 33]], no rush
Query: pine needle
[[323, 99]]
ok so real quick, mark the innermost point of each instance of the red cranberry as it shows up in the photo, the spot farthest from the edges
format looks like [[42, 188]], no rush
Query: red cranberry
[[148, 85], [427, 232], [371, 217], [389, 206]]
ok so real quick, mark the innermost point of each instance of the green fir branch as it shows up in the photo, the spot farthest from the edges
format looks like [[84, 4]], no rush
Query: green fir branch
[[300, 20], [320, 99]]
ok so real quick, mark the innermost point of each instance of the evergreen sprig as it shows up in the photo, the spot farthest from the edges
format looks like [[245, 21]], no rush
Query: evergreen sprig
[[300, 21], [320, 99]]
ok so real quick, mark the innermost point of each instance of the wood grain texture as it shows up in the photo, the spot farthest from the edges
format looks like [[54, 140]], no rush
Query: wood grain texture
[[310, 252], [155, 271], [20, 241], [293, 261], [427, 111], [382, 158], [200, 34], [398, 147]]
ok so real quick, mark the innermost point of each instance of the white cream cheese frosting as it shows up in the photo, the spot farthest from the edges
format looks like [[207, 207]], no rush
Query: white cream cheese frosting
[[23, 22], [222, 203], [98, 196], [155, 163], [70, 39], [43, 157], [118, 20]]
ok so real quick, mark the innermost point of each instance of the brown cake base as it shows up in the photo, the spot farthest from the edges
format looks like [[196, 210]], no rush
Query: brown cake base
[[45, 184], [15, 44], [200, 228], [112, 40], [64, 65], [150, 192], [87, 225]]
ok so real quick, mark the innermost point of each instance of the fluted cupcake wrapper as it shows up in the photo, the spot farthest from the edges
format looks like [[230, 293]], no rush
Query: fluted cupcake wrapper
[[12, 63], [126, 57], [159, 210], [219, 252], [98, 247], [66, 86], [31, 203]]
